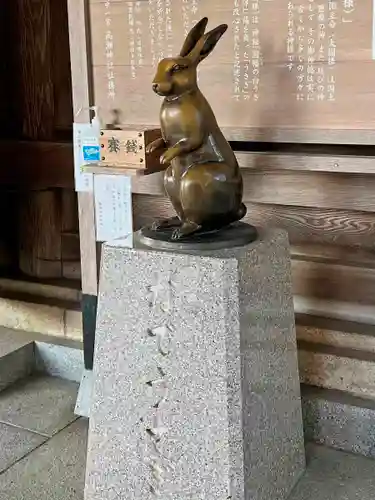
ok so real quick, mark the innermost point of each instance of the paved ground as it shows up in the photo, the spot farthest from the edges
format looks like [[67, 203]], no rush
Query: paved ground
[[335, 475], [43, 451], [42, 443]]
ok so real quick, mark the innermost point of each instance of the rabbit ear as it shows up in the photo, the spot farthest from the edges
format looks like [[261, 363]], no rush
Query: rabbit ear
[[193, 37], [208, 43]]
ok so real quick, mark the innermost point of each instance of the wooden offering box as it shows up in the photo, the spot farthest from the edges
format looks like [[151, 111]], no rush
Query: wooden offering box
[[299, 71], [124, 151]]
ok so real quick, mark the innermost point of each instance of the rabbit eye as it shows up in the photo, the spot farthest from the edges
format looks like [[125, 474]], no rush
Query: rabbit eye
[[178, 67]]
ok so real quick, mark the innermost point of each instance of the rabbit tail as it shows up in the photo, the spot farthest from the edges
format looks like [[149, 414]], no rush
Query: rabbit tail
[[242, 211]]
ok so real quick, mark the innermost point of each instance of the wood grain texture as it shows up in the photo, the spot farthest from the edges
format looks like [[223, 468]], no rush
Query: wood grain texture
[[310, 189], [277, 114], [332, 309], [70, 247], [269, 162], [79, 56], [4, 62], [89, 263], [69, 211], [336, 268], [281, 187], [307, 162], [11, 93], [275, 120], [37, 164], [334, 282], [304, 225], [79, 59], [292, 135], [60, 62], [39, 226], [335, 254], [36, 70], [8, 231]]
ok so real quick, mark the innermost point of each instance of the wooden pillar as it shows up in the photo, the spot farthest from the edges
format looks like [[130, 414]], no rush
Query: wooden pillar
[[81, 85], [34, 26], [40, 222]]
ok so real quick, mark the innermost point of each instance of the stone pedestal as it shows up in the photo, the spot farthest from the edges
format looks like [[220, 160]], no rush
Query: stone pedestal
[[196, 390]]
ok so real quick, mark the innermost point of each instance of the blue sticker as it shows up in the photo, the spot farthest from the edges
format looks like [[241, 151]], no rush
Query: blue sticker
[[91, 153]]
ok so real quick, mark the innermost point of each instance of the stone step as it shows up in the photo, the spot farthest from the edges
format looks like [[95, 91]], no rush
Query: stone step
[[49, 307], [341, 368], [339, 420], [16, 357], [336, 333], [40, 404], [58, 289], [53, 471], [335, 475], [33, 411], [25, 353]]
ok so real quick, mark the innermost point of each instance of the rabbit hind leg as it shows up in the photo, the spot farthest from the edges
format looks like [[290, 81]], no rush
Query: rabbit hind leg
[[211, 195], [171, 187], [187, 228], [166, 223]]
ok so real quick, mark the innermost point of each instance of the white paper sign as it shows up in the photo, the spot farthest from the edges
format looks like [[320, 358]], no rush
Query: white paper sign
[[113, 209], [85, 145]]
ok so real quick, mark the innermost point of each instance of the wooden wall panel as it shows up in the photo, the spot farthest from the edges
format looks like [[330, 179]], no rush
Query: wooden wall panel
[[333, 250], [307, 162], [35, 82], [304, 225], [330, 103], [317, 225], [334, 282], [37, 164], [307, 189], [293, 188], [39, 227]]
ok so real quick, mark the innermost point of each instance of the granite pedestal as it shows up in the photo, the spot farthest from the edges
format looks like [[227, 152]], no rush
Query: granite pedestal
[[196, 391]]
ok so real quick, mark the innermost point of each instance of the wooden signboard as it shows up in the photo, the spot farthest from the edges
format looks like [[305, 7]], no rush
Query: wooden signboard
[[300, 71]]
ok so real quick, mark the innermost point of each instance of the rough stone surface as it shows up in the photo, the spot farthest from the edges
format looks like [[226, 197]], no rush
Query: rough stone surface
[[339, 420], [54, 471], [196, 388], [41, 404], [16, 443]]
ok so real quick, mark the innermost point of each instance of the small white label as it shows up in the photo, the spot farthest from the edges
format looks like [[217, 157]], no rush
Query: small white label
[[84, 144], [113, 209]]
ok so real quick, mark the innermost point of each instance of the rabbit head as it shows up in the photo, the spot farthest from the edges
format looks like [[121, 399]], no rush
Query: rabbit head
[[177, 75]]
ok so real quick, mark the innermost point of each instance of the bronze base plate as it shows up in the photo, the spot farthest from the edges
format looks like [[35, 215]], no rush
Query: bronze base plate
[[235, 235]]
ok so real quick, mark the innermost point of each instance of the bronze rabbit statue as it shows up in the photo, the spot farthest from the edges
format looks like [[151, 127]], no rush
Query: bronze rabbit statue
[[203, 179]]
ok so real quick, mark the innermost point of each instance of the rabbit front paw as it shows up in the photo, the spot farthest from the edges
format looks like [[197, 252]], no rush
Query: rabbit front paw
[[154, 145], [168, 156]]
